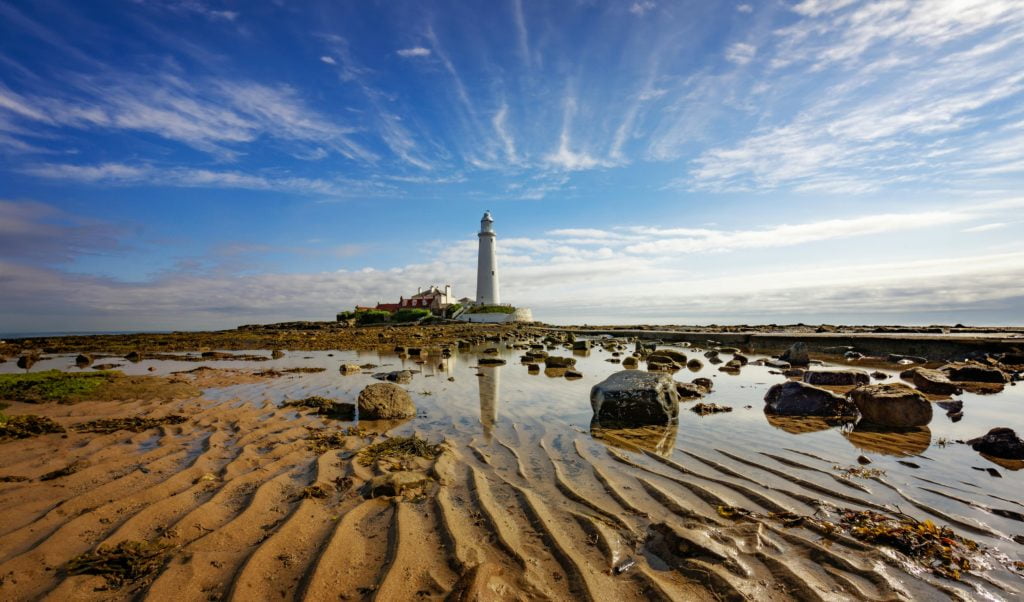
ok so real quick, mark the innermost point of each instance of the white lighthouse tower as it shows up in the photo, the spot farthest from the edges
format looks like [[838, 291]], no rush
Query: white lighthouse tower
[[487, 264]]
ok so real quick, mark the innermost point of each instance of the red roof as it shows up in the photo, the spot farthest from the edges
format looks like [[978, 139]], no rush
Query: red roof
[[388, 306]]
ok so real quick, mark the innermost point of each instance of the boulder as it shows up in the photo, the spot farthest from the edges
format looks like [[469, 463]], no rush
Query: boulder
[[732, 366], [796, 355], [133, 356], [533, 368], [402, 377], [694, 365], [571, 374], [630, 362], [774, 363], [581, 345], [276, 354], [705, 383], [634, 397], [934, 381], [28, 360], [656, 361], [795, 398], [385, 401], [347, 369], [972, 372], [742, 359], [554, 361], [892, 404], [690, 391], [83, 360], [837, 378], [672, 354], [1000, 442], [878, 375], [490, 361]]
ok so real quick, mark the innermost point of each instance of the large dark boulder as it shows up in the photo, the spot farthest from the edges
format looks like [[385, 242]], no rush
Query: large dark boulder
[[892, 404], [554, 361], [672, 354], [972, 372], [795, 398], [1000, 442], [385, 401], [634, 397], [837, 378]]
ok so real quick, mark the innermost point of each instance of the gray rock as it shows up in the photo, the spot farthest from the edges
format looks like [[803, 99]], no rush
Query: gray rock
[[83, 360], [796, 355], [1000, 442], [836, 378], [795, 398], [703, 382], [971, 372], [582, 345], [690, 390], [347, 369], [675, 356], [554, 361], [694, 365], [402, 377], [633, 397], [774, 363], [630, 362], [490, 361], [892, 404], [385, 401]]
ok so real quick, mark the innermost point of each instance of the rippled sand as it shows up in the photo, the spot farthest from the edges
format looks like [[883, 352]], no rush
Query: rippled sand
[[530, 503]]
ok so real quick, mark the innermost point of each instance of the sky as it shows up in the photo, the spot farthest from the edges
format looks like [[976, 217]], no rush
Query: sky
[[191, 164]]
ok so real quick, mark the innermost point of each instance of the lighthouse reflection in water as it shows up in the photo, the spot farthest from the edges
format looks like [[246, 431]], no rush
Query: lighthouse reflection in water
[[490, 382]]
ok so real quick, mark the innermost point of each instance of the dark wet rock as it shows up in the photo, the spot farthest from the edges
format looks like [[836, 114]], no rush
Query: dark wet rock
[[1012, 359], [853, 355], [634, 397], [694, 365], [385, 401], [276, 354], [690, 390], [630, 362], [347, 369], [533, 368], [581, 345], [895, 358], [795, 398], [133, 356], [491, 351], [573, 375], [973, 372], [892, 405], [836, 378], [28, 360], [796, 354], [554, 361], [658, 361], [934, 381], [703, 382], [1000, 442], [710, 354], [951, 407], [709, 408], [732, 366], [715, 360], [774, 363], [793, 373], [879, 375], [862, 459], [83, 360], [742, 359], [402, 377], [490, 361]]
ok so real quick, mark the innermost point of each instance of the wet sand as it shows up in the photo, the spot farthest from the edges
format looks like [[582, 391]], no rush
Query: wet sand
[[524, 501]]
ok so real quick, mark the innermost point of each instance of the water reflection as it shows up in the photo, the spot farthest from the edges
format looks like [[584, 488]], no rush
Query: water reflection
[[490, 383], [657, 438], [805, 424], [889, 441]]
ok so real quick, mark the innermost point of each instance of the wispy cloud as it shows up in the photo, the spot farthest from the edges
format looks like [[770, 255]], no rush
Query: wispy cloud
[[416, 51], [640, 7], [741, 53]]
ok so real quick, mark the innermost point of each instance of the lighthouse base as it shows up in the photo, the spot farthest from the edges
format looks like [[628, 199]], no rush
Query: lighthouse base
[[520, 314]]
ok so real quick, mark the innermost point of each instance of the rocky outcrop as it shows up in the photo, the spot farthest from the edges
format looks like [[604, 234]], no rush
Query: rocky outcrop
[[837, 378], [892, 404], [972, 372], [933, 381], [385, 401], [796, 355], [795, 398], [1000, 442], [634, 397]]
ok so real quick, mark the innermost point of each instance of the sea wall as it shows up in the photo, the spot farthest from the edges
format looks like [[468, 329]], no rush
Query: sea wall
[[521, 314]]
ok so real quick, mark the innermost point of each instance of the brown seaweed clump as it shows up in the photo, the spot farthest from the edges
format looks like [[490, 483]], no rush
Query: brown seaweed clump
[[67, 470], [326, 407], [704, 409], [315, 491], [27, 425], [133, 424], [322, 440], [398, 448], [127, 562], [847, 472], [937, 548]]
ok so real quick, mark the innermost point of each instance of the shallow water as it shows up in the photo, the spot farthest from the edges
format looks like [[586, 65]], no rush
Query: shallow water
[[534, 430]]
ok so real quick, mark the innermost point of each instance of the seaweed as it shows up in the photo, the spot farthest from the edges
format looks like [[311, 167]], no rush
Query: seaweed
[[27, 425], [939, 549], [14, 479], [316, 490], [134, 424], [325, 407], [51, 385], [709, 408], [122, 564], [849, 472], [398, 447], [322, 440]]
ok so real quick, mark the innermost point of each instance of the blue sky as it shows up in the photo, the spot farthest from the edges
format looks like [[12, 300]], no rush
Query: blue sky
[[197, 164]]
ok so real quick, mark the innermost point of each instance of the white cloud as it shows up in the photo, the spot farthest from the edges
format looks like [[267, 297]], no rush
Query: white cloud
[[740, 53], [414, 52], [329, 60], [640, 7], [745, 8], [986, 227]]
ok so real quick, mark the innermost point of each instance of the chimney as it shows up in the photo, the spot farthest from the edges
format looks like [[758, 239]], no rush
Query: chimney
[[448, 291]]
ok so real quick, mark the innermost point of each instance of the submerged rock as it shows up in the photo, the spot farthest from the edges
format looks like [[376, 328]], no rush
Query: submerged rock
[[554, 361], [633, 397], [892, 404], [385, 401], [1000, 442], [490, 361], [402, 377], [796, 354], [837, 378], [795, 398]]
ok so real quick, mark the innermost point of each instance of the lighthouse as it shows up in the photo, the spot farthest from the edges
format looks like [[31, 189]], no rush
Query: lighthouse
[[487, 264]]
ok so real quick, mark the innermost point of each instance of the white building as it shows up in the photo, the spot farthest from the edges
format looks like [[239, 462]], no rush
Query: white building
[[487, 264]]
